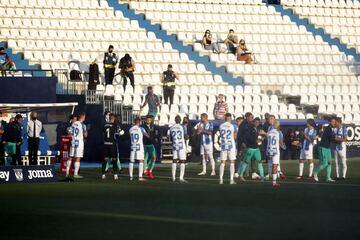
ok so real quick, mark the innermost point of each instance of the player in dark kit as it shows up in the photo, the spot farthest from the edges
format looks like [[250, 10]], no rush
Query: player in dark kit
[[111, 133]]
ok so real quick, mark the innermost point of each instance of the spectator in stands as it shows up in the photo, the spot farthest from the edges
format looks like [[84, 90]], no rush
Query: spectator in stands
[[110, 61], [231, 41], [2, 150], [208, 43], [153, 101], [168, 80], [33, 129], [12, 140], [221, 108], [127, 66], [6, 63], [243, 53]]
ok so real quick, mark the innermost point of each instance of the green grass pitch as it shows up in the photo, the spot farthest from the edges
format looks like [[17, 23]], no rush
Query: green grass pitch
[[92, 208]]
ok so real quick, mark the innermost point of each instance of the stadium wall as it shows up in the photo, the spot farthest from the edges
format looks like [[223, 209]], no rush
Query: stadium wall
[[175, 43]]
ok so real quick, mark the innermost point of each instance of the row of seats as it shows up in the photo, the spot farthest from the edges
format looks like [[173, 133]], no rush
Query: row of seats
[[69, 4], [341, 4], [322, 89], [312, 99]]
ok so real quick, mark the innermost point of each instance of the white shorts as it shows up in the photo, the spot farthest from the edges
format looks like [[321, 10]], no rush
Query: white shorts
[[136, 155], [78, 151], [307, 154], [228, 155], [206, 149], [275, 159], [179, 154]]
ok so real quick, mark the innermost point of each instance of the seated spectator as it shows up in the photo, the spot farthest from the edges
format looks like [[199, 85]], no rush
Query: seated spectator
[[6, 63], [221, 108], [231, 41], [243, 53], [208, 43]]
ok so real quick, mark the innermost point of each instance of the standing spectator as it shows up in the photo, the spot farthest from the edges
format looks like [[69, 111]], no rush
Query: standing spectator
[[232, 41], [208, 43], [2, 150], [127, 66], [168, 80], [153, 101], [110, 61], [12, 140], [243, 53], [6, 63], [292, 143], [33, 131], [221, 108]]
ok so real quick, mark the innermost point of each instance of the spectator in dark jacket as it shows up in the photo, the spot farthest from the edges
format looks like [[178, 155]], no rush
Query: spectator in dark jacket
[[12, 140]]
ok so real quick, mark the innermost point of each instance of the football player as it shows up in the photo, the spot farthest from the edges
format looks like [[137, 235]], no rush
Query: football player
[[274, 140], [340, 149]]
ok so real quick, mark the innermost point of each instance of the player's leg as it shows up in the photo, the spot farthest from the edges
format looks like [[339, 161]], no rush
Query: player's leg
[[173, 166], [115, 168], [257, 157], [141, 170], [68, 166], [221, 170], [301, 168], [337, 163], [344, 163], [104, 165], [182, 158], [131, 164], [248, 154], [153, 158], [275, 160], [232, 158], [311, 167], [146, 159], [78, 155], [203, 159], [210, 153]]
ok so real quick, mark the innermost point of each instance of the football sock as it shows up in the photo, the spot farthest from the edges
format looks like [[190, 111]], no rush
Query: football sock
[[152, 165], [173, 170], [222, 168], [131, 169], [242, 168], [146, 159], [301, 169], [118, 164], [204, 162], [76, 167], [182, 170], [319, 168], [328, 171], [141, 169], [344, 170], [311, 169], [279, 168], [212, 161], [274, 176], [260, 169], [232, 171], [68, 165], [104, 166], [115, 166]]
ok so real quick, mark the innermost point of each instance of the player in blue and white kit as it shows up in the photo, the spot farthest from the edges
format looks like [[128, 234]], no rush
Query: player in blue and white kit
[[307, 148], [137, 148], [274, 140], [340, 149], [228, 134], [205, 129], [79, 133], [178, 134]]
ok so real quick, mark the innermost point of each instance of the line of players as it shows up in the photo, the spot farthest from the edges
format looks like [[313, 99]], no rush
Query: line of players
[[235, 142]]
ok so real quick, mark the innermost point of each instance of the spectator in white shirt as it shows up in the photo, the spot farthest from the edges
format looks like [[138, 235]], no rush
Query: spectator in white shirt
[[33, 130]]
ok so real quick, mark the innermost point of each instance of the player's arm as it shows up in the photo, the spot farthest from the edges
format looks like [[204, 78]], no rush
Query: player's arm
[[186, 135], [145, 102], [235, 133], [344, 137]]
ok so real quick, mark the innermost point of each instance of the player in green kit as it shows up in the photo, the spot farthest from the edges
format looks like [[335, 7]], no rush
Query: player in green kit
[[149, 146], [252, 151], [327, 139]]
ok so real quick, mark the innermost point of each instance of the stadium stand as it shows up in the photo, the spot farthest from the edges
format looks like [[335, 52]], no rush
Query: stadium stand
[[291, 60]]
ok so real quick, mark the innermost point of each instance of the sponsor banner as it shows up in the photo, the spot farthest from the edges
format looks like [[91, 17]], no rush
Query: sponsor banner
[[27, 174], [353, 143]]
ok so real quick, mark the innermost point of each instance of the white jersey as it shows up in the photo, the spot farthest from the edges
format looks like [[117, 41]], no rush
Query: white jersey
[[227, 140], [137, 135], [79, 130], [273, 143], [177, 134], [206, 139]]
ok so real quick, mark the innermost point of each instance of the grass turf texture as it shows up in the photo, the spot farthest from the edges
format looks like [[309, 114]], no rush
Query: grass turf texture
[[92, 208]]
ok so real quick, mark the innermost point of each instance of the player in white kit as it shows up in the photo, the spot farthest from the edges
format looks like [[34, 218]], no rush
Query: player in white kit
[[205, 129], [79, 133], [274, 140], [307, 148], [178, 135], [137, 148], [340, 149], [228, 134]]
